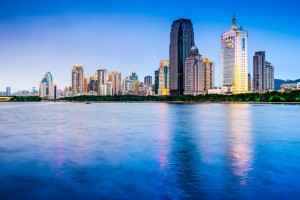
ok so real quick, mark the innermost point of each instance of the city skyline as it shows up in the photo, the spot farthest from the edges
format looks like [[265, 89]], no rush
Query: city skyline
[[55, 38]]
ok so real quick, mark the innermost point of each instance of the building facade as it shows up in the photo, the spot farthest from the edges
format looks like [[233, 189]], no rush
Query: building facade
[[234, 59], [93, 84], [85, 84], [164, 78], [194, 73], [181, 41], [102, 79], [148, 80], [269, 77], [47, 86], [116, 81], [209, 74], [77, 80], [259, 67], [8, 92], [156, 81]]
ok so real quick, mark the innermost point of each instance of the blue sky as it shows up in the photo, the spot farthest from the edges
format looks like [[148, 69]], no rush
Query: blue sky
[[40, 35]]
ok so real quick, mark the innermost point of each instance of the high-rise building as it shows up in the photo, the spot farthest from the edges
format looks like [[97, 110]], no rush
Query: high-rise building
[[102, 79], [269, 77], [209, 74], [85, 84], [181, 41], [47, 86], [194, 73], [263, 73], [259, 67], [8, 93], [77, 80], [115, 79], [164, 78], [156, 81], [148, 80], [135, 82], [249, 82], [127, 86], [234, 62], [93, 84]]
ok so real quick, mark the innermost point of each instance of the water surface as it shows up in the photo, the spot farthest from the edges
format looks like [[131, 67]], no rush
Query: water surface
[[149, 151]]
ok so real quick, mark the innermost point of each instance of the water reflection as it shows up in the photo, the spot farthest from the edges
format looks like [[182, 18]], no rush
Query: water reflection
[[163, 137], [240, 142]]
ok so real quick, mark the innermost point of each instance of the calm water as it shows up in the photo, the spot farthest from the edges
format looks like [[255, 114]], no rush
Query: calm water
[[149, 151]]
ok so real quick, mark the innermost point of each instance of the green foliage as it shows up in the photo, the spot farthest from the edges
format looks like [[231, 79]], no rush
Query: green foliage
[[249, 97], [28, 98]]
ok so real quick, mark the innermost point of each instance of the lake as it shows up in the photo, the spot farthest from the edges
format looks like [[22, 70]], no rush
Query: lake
[[149, 151]]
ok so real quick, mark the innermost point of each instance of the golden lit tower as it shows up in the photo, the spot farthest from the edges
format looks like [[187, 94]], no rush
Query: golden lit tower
[[234, 59]]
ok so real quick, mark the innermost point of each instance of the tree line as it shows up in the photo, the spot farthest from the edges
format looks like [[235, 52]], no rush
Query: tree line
[[293, 96]]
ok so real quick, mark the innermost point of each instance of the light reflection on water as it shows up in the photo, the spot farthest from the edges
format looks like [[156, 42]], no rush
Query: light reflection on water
[[149, 151]]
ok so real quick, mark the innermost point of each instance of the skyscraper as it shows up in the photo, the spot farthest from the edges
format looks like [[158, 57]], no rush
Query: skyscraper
[[263, 73], [194, 73], [148, 80], [164, 78], [47, 86], [115, 79], [102, 79], [93, 84], [234, 62], [156, 81], [77, 80], [8, 91], [259, 67], [209, 74], [181, 41], [85, 84], [269, 77], [249, 82]]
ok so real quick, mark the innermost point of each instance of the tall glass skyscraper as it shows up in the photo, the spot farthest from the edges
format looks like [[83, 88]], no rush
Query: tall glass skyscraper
[[181, 41], [234, 63]]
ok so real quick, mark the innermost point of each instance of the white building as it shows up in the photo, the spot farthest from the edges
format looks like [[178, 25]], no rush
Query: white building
[[269, 77], [194, 73], [234, 59], [102, 79], [47, 86]]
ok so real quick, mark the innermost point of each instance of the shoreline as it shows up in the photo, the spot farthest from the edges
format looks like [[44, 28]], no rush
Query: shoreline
[[167, 102]]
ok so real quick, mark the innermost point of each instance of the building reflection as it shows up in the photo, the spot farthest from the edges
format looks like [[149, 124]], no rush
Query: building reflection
[[240, 148], [163, 136]]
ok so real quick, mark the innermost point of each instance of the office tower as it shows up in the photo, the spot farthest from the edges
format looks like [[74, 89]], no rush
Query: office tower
[[93, 84], [181, 41], [102, 79], [249, 82], [8, 93], [234, 62], [269, 77], [156, 81], [194, 73], [116, 81], [164, 78], [77, 80], [47, 86], [259, 65], [85, 84], [55, 92], [135, 82], [209, 74], [148, 80]]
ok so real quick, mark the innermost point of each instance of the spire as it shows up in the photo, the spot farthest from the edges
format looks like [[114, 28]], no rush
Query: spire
[[233, 22]]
